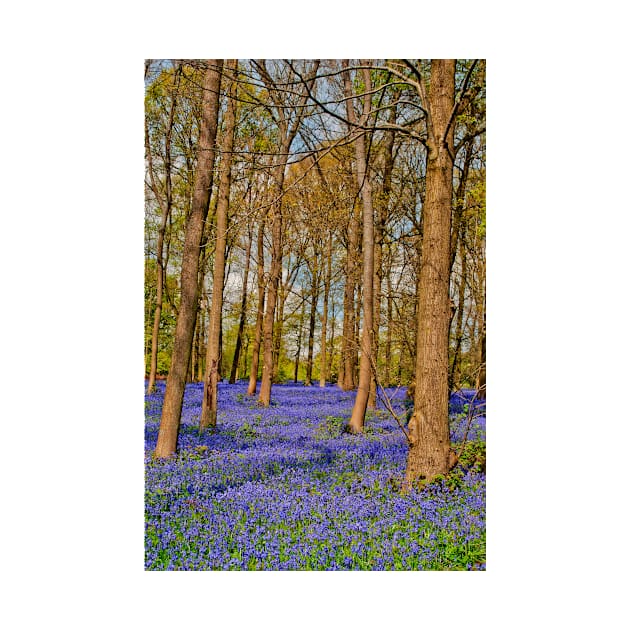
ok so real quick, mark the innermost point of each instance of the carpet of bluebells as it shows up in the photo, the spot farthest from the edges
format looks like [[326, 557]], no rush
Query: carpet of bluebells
[[284, 487]]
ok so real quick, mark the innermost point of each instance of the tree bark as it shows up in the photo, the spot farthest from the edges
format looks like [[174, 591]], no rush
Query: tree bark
[[299, 341], [308, 380], [174, 395], [357, 419], [323, 374], [388, 338], [213, 354], [243, 317], [455, 371], [260, 264], [428, 427], [166, 206]]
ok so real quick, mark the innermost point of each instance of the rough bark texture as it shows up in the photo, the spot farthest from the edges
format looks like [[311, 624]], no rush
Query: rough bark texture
[[184, 329], [428, 427], [213, 354]]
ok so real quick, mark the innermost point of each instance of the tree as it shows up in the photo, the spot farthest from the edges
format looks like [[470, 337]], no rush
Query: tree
[[357, 418], [174, 394], [288, 118], [429, 440], [211, 378]]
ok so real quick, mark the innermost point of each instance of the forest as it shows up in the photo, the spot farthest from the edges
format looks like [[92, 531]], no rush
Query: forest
[[315, 314]]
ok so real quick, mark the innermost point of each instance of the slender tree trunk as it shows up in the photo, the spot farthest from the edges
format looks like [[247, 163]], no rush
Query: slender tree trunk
[[428, 427], [200, 340], [166, 206], [241, 323], [253, 375], [174, 395], [455, 372], [278, 327], [388, 338], [272, 295], [288, 130], [299, 342], [357, 418], [331, 343], [481, 379], [213, 354], [311, 324], [323, 374]]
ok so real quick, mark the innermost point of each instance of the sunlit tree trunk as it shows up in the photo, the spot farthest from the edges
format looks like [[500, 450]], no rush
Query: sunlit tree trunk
[[174, 394], [455, 371], [308, 380], [481, 379], [213, 353], [243, 317], [299, 341], [253, 375], [323, 374], [357, 418], [388, 337], [166, 205], [428, 427]]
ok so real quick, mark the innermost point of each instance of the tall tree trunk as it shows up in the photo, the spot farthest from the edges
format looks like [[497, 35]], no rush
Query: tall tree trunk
[[357, 419], [241, 323], [299, 341], [288, 130], [278, 327], [388, 338], [174, 395], [428, 427], [264, 396], [213, 354], [455, 372], [200, 339], [311, 324], [323, 374], [260, 264], [481, 379], [331, 343], [166, 206]]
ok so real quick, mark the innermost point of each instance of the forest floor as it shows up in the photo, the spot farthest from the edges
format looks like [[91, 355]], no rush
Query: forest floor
[[284, 487]]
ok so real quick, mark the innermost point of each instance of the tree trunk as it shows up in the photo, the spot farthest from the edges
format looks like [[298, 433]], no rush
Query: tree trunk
[[166, 206], [272, 295], [481, 379], [388, 338], [278, 327], [299, 341], [213, 354], [311, 324], [455, 372], [174, 395], [323, 374], [428, 427], [241, 323], [357, 418], [253, 375]]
